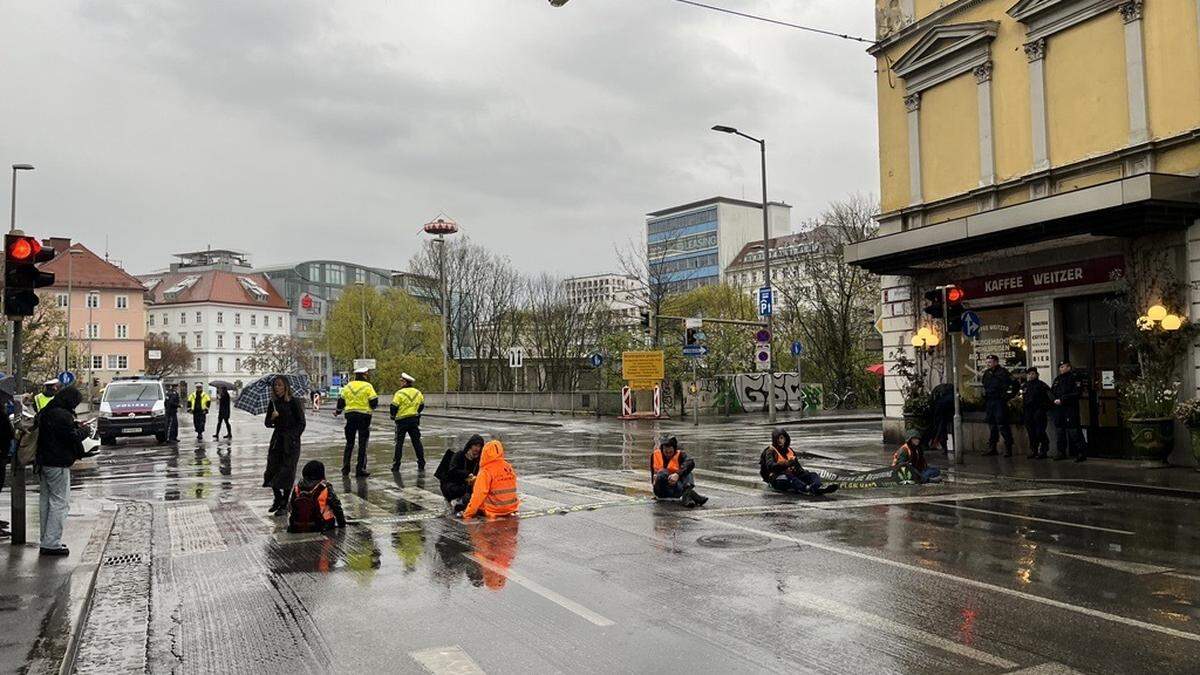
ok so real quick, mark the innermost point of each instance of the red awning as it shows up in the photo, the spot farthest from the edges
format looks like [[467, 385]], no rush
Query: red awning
[[876, 369]]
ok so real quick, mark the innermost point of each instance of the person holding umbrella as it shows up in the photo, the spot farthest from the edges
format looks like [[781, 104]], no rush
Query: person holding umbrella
[[285, 414]]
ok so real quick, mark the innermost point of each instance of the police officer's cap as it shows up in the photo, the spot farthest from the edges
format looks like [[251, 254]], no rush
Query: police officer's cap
[[361, 371]]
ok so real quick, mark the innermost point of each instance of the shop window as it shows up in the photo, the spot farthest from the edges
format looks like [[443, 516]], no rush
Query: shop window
[[1002, 333]]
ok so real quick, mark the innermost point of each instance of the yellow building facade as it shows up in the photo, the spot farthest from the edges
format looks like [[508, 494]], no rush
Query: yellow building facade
[[1043, 154]]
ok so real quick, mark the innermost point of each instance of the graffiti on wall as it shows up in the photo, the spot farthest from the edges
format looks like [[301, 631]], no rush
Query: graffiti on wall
[[790, 392]]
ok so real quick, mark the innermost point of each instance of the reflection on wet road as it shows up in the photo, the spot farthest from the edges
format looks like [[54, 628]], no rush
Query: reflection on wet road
[[594, 576]]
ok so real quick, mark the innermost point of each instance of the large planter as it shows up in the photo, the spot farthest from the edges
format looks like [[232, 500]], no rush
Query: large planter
[[1153, 437], [1195, 432], [915, 423]]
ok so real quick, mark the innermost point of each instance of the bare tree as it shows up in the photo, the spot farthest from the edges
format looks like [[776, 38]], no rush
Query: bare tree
[[280, 354], [174, 356], [560, 332], [658, 276]]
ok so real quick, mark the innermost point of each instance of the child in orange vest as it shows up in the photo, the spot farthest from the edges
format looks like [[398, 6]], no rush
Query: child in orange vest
[[313, 507]]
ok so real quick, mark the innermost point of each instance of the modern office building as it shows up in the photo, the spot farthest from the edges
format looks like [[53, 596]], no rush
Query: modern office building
[[691, 245], [1043, 155], [621, 295]]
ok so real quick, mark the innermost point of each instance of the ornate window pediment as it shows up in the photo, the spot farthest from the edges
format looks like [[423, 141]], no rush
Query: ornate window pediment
[[1043, 18], [945, 52]]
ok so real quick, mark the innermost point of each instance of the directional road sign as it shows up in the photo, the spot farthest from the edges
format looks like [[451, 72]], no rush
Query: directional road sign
[[797, 348], [66, 378], [516, 357], [971, 324], [596, 360], [695, 351], [764, 301]]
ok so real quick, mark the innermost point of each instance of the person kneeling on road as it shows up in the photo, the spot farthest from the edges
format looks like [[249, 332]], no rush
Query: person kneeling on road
[[495, 488], [782, 471], [909, 461], [671, 474], [313, 506], [457, 471]]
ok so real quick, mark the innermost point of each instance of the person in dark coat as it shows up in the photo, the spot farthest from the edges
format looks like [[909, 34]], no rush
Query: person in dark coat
[[1066, 392], [60, 444], [998, 388], [780, 468], [941, 411], [1035, 404], [6, 447], [223, 412], [456, 473], [285, 414], [172, 404]]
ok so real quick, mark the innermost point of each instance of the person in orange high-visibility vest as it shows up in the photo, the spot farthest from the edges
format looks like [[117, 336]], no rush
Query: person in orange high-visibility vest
[[495, 490], [781, 469], [671, 474]]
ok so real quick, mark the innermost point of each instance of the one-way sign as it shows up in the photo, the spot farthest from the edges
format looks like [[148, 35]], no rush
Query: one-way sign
[[695, 351]]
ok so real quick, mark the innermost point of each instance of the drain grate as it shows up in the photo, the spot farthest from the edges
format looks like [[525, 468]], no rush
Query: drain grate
[[124, 559], [733, 540]]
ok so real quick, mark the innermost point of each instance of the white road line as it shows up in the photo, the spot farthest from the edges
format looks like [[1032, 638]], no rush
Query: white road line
[[1181, 575], [571, 488], [446, 661], [846, 612], [835, 504], [1034, 518], [1086, 611], [423, 498], [529, 584], [644, 484], [1045, 669], [1119, 565], [536, 503]]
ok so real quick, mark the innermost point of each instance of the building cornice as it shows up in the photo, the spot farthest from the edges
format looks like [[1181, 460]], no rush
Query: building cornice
[[932, 19]]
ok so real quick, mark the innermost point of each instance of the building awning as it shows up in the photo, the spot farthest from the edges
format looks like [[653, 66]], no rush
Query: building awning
[[1126, 207]]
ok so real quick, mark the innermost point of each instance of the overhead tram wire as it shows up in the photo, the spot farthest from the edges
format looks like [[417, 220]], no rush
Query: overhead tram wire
[[756, 17]]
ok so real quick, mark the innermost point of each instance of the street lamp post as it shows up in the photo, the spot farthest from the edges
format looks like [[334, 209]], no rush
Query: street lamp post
[[71, 253], [363, 305], [12, 217], [441, 227], [762, 146]]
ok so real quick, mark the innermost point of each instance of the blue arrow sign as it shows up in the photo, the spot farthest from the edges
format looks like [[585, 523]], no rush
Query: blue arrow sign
[[971, 324], [66, 378], [596, 360], [797, 348], [695, 351]]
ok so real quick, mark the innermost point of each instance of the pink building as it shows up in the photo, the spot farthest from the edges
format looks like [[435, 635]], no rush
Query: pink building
[[107, 311]]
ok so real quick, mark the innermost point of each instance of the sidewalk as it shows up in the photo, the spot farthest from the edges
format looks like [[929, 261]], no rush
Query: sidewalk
[[43, 599]]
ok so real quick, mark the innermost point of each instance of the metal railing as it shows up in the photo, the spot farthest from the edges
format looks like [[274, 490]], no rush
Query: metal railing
[[554, 402]]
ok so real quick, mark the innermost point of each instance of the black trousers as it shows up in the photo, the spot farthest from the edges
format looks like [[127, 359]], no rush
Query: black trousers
[[997, 419], [358, 425], [412, 427], [198, 421], [1068, 438], [173, 425], [1035, 427], [225, 419]]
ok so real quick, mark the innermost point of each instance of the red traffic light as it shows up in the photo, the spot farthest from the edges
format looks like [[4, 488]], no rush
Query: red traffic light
[[22, 249], [954, 294]]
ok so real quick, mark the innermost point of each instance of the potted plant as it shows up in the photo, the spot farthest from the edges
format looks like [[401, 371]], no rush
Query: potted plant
[[1188, 412], [916, 396], [1150, 403]]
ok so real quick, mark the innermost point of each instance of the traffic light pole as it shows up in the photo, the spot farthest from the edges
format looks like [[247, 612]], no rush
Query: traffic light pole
[[959, 443], [17, 489]]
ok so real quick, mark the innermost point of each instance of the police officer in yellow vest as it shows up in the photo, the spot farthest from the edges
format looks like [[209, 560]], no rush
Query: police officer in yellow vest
[[407, 404], [198, 402], [357, 400], [49, 389]]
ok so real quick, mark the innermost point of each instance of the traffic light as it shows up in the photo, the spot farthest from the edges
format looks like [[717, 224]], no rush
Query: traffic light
[[21, 275], [934, 308], [954, 308], [646, 319]]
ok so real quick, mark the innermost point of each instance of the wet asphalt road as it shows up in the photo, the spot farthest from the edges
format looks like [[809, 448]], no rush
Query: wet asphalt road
[[967, 576]]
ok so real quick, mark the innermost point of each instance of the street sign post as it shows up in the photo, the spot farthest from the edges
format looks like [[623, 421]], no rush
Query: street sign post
[[765, 301], [971, 324], [695, 351], [516, 357], [154, 354]]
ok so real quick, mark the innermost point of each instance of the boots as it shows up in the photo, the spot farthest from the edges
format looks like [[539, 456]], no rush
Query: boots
[[280, 502], [691, 499]]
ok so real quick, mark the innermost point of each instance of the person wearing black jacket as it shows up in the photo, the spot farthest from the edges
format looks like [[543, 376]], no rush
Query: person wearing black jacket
[[781, 469], [1035, 403], [59, 445], [223, 412], [941, 404], [671, 474], [6, 438], [172, 404], [456, 473], [998, 388], [1066, 392], [285, 414]]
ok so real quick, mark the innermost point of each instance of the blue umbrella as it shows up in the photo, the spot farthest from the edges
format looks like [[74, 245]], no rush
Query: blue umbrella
[[255, 396]]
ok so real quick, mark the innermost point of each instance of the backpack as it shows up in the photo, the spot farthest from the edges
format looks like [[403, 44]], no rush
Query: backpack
[[304, 514], [27, 441]]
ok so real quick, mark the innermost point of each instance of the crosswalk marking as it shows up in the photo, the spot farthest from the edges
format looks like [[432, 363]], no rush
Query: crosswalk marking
[[959, 507], [1120, 565], [446, 661], [834, 504]]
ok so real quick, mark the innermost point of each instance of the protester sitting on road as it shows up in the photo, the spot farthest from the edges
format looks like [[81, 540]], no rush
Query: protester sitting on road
[[671, 474], [781, 470], [457, 471], [495, 488], [59, 445], [313, 506], [909, 461]]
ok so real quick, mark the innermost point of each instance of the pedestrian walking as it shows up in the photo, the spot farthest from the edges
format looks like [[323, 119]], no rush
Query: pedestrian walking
[[285, 415], [171, 406], [998, 388], [357, 400], [1035, 406], [59, 445], [224, 405], [407, 405], [1066, 392], [198, 402], [671, 474]]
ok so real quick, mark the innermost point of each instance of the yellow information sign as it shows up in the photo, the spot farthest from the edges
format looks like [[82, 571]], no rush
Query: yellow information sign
[[646, 385], [642, 367]]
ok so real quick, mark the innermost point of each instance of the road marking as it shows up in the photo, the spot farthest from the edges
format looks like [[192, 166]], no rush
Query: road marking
[[1087, 611], [571, 488], [644, 484], [879, 623], [1034, 518], [531, 585], [423, 498], [1045, 669], [1120, 565], [193, 530], [1181, 575], [834, 504], [446, 661]]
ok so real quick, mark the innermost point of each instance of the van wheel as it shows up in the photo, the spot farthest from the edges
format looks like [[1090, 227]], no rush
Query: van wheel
[[108, 440]]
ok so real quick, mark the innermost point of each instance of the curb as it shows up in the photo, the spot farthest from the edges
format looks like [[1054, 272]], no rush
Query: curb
[[68, 663], [825, 420], [1134, 488]]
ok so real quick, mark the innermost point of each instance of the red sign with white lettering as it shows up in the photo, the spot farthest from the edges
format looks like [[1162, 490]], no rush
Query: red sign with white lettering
[[1082, 273]]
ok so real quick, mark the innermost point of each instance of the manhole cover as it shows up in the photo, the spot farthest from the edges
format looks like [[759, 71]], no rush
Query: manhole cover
[[734, 540], [124, 559]]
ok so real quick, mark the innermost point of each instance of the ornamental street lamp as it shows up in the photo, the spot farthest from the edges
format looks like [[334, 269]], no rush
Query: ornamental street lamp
[[442, 226]]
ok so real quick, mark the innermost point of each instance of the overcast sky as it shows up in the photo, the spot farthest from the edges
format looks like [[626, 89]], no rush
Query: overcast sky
[[299, 129]]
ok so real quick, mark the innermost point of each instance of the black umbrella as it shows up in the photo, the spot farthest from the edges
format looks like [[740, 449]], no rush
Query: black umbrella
[[256, 395], [221, 384]]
